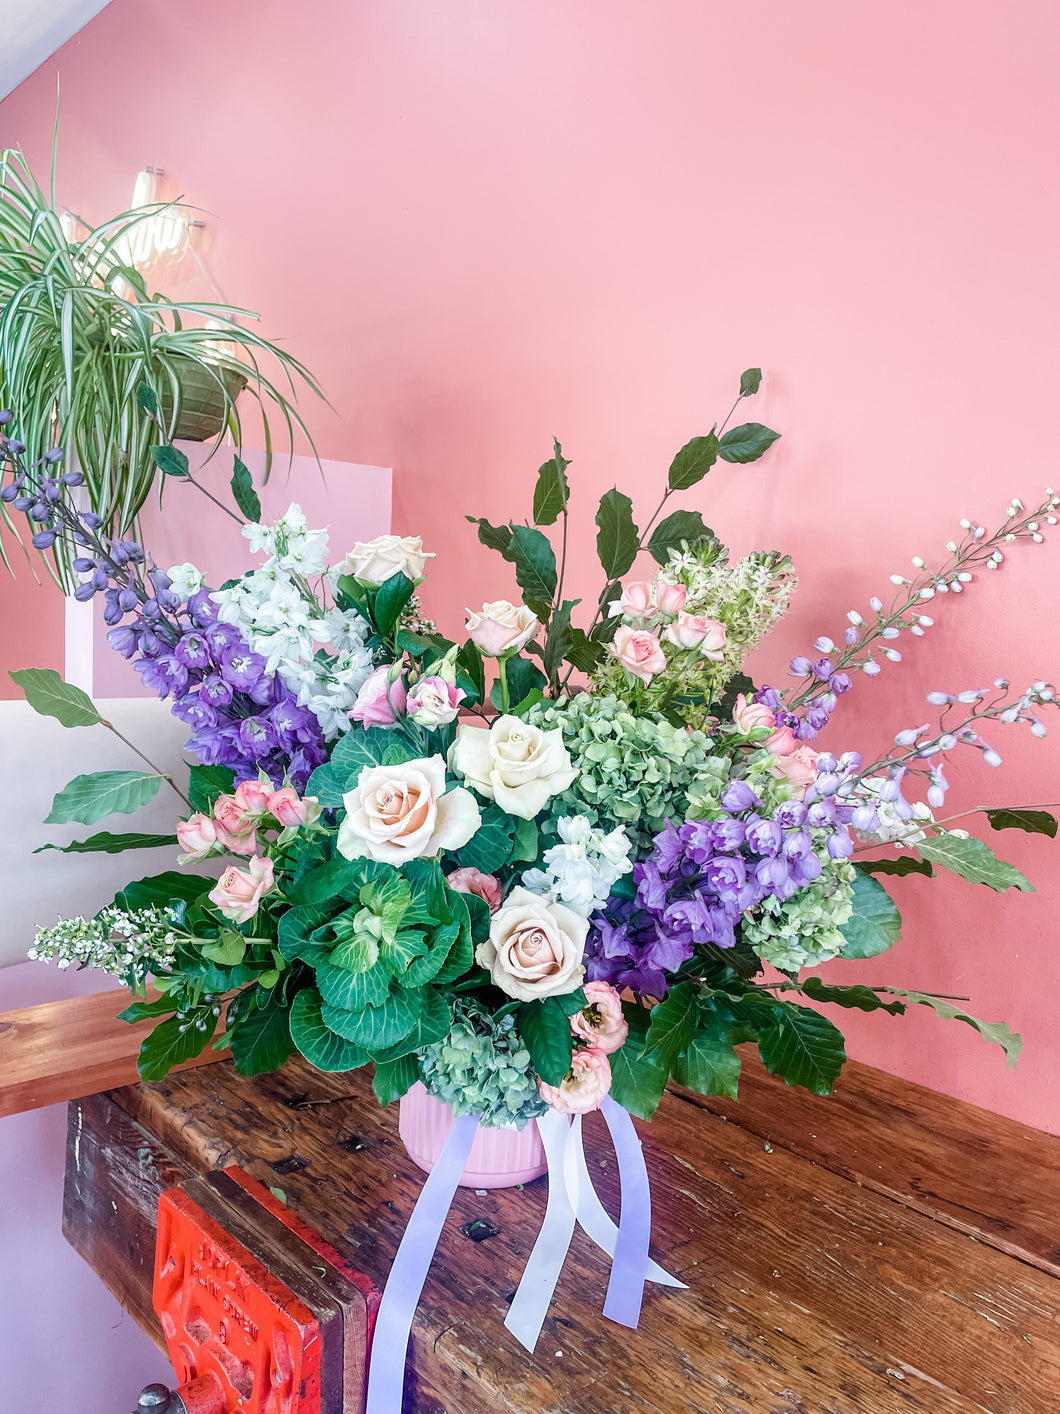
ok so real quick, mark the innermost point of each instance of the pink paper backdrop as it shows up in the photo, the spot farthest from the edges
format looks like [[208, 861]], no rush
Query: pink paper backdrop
[[484, 223]]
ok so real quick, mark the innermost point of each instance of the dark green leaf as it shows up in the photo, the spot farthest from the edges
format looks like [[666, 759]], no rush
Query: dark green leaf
[[558, 640], [546, 1031], [206, 783], [355, 752], [333, 878], [48, 694], [91, 798], [471, 673], [140, 1011], [172, 1043], [975, 861], [857, 996], [709, 1065], [535, 567], [551, 492], [394, 1079], [261, 1038], [352, 991], [146, 400], [617, 539], [376, 1028], [875, 922], [693, 462], [746, 443], [995, 1031], [390, 599], [902, 864], [1035, 822], [673, 1023], [524, 678], [494, 537], [111, 844], [328, 789], [490, 847], [572, 1002], [582, 653], [525, 848], [434, 1020], [170, 461], [679, 527], [750, 382], [158, 890], [803, 1048], [321, 1046], [243, 493], [637, 1080]]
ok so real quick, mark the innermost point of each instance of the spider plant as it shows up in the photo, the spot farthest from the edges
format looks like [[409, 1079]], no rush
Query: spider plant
[[95, 363]]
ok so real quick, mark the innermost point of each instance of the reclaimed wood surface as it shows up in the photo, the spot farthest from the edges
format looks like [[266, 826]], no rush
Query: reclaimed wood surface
[[59, 1051], [809, 1293]]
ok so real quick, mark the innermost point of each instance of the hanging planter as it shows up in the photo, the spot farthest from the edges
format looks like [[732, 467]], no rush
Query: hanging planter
[[206, 395]]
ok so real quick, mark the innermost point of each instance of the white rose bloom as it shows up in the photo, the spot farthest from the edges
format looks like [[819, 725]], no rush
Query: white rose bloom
[[535, 948], [502, 628], [376, 561], [398, 813], [514, 763]]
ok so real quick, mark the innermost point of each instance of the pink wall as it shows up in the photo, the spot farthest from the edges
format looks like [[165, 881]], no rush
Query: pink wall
[[484, 222]]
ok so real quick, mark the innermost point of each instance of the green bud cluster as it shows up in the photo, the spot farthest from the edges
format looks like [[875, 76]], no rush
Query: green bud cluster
[[131, 945], [482, 1068], [803, 931]]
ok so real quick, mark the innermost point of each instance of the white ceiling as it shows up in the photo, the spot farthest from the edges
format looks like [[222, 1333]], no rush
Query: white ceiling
[[33, 30]]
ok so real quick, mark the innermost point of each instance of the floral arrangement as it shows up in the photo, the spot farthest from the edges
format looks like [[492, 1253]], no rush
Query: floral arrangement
[[547, 862]]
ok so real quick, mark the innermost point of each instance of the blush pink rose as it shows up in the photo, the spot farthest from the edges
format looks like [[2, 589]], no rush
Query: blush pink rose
[[601, 1023], [669, 598], [285, 807], [433, 702], [403, 812], [471, 881], [585, 1084], [639, 652], [752, 716], [252, 797], [534, 948], [502, 628], [238, 892], [380, 702], [697, 631], [636, 601], [236, 829], [782, 742], [799, 769], [197, 837]]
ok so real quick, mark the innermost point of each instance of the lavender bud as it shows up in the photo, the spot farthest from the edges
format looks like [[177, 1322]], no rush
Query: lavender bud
[[5, 416], [854, 617], [92, 520], [908, 737], [892, 655], [151, 609], [851, 636], [970, 696], [23, 503], [823, 645], [52, 491], [39, 511], [127, 600], [865, 819], [84, 592], [890, 632], [44, 539], [839, 683], [991, 757], [823, 669], [83, 565], [875, 604], [826, 761], [870, 669], [827, 701], [1037, 728], [840, 845], [9, 493], [799, 666], [112, 614], [15, 447]]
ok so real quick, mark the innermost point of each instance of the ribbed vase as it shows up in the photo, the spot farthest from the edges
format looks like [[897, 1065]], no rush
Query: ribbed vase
[[499, 1158]]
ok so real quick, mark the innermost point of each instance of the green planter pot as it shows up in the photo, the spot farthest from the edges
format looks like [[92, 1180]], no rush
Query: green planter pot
[[202, 402]]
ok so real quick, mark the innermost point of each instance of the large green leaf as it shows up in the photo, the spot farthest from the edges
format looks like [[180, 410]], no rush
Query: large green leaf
[[750, 382], [617, 538], [673, 1023], [494, 537], [975, 861], [243, 493], [376, 1028], [358, 750], [544, 1027], [678, 527], [206, 783], [637, 1080], [535, 567], [746, 443], [434, 1020], [710, 1066], [321, 1046], [902, 864], [173, 1042], [491, 844], [551, 492], [353, 991], [995, 1031], [327, 787], [170, 460], [158, 890], [693, 462], [558, 639], [111, 844], [1034, 822], [336, 878], [581, 652], [803, 1048], [47, 693], [94, 797], [261, 1039], [856, 996], [390, 599], [394, 1078], [875, 922]]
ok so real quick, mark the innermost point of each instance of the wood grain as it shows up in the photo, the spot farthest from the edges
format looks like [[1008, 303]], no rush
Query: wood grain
[[808, 1294], [59, 1051]]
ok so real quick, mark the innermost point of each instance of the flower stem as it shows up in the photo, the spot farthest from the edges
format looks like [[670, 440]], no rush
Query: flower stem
[[502, 670], [167, 778]]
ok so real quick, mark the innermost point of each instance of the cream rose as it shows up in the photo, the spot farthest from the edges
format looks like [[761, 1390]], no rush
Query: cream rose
[[398, 813], [501, 628], [376, 561], [534, 948], [514, 763]]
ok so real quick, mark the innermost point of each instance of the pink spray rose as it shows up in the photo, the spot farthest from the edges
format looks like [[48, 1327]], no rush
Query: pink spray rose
[[285, 807], [470, 881], [669, 598], [697, 631], [636, 601], [640, 653], [601, 1023], [782, 742], [752, 716], [253, 797], [585, 1084], [238, 892], [799, 769], [380, 702], [196, 837], [433, 702], [236, 829], [502, 628]]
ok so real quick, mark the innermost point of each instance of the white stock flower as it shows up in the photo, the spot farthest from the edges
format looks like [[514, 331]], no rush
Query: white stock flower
[[582, 870], [187, 580]]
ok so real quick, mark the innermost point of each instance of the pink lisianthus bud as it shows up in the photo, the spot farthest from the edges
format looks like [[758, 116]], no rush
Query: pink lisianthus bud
[[782, 742], [239, 892], [286, 808], [639, 652], [669, 598], [752, 716], [197, 837], [601, 1023], [236, 829], [635, 602], [433, 702], [380, 702], [252, 797], [697, 631], [799, 769], [471, 881], [584, 1086]]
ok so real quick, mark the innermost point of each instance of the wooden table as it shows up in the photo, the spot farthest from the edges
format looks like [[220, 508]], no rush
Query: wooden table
[[882, 1251]]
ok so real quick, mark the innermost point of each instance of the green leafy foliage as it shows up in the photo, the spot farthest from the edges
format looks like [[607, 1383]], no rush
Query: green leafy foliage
[[637, 1079], [144, 1011], [750, 382], [47, 693], [321, 1046], [581, 652], [558, 640], [94, 797], [617, 538], [206, 783], [1034, 822], [692, 462], [394, 1078], [679, 527], [875, 922], [376, 1028], [471, 673], [389, 600], [335, 878], [111, 844], [995, 1031], [243, 493], [746, 443], [494, 537], [173, 1042], [673, 1023], [975, 861], [356, 752], [261, 1039], [709, 1065], [146, 400], [902, 864], [856, 996], [491, 845], [160, 890], [535, 567], [802, 1047], [170, 460], [546, 1031], [524, 678], [552, 492]]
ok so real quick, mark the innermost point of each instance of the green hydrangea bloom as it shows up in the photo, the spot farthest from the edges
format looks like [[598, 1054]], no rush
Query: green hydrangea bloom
[[803, 930], [482, 1068], [632, 771]]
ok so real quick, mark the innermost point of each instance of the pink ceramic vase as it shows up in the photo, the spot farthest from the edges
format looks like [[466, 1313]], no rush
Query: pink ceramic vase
[[499, 1158]]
